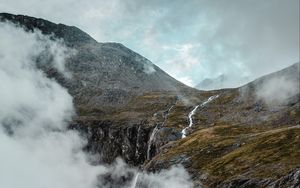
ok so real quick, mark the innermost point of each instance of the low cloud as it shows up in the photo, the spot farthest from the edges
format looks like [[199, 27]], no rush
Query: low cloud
[[148, 68], [184, 61], [278, 90], [37, 150], [175, 177], [186, 80], [238, 38], [185, 58]]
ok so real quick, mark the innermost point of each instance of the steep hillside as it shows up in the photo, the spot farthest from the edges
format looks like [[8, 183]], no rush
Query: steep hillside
[[116, 91], [242, 138], [102, 73], [128, 107]]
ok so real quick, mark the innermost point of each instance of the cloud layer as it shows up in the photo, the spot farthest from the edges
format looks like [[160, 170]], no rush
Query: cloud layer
[[278, 90], [37, 150], [234, 38]]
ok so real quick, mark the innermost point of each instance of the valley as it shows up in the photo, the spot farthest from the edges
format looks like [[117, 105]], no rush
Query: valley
[[128, 107]]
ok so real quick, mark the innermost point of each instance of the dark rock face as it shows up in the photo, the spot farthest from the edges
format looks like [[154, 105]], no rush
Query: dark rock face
[[112, 140], [163, 136], [291, 180], [245, 183]]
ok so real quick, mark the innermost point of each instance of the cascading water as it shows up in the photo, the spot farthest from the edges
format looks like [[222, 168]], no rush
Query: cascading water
[[135, 181], [190, 116], [155, 130], [192, 113]]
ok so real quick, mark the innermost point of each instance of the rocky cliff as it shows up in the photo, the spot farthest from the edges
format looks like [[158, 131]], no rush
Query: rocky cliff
[[128, 107]]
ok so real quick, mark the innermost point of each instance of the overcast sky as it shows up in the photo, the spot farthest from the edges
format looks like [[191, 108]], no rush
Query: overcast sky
[[191, 40]]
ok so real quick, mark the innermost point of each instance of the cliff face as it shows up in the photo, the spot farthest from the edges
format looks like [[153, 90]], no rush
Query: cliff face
[[135, 132], [127, 107], [111, 140]]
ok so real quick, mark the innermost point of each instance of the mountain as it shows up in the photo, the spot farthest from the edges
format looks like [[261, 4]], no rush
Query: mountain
[[127, 107], [247, 137], [222, 81], [107, 73], [212, 83]]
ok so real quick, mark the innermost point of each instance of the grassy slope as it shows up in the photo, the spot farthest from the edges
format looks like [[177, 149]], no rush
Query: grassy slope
[[232, 139], [226, 152], [234, 136]]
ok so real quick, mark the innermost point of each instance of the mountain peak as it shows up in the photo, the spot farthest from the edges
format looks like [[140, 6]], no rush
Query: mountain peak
[[109, 72], [70, 34]]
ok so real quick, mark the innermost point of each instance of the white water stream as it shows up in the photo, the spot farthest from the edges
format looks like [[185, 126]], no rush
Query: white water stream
[[135, 181], [192, 113], [155, 130]]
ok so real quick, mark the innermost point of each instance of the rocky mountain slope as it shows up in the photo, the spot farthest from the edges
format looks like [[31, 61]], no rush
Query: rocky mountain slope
[[242, 139], [128, 107], [103, 73]]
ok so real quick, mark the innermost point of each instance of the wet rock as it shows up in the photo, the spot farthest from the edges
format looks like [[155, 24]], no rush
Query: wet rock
[[258, 106], [292, 180], [244, 183], [112, 140], [163, 136]]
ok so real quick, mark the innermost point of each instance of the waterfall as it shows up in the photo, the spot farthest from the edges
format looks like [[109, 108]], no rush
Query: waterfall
[[166, 116], [155, 130], [190, 116], [192, 113], [135, 181]]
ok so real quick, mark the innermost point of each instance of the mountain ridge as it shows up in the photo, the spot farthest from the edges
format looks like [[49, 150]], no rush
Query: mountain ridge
[[108, 68], [237, 139]]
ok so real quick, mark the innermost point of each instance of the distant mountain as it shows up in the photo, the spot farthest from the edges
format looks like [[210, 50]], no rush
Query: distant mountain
[[222, 81], [212, 83], [103, 73], [240, 137]]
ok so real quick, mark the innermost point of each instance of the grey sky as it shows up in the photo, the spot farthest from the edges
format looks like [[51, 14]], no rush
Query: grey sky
[[191, 40]]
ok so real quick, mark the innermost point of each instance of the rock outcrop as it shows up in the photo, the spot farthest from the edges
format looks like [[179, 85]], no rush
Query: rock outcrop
[[111, 140]]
